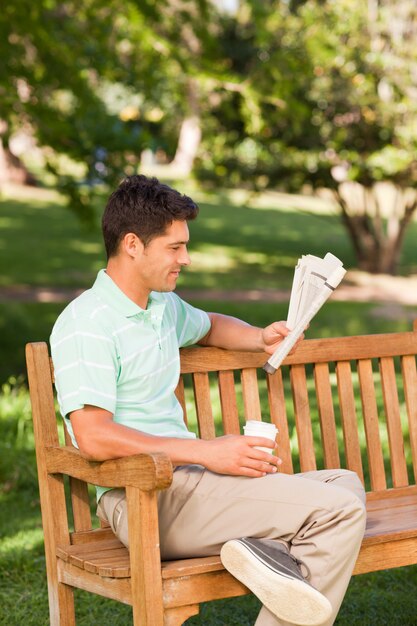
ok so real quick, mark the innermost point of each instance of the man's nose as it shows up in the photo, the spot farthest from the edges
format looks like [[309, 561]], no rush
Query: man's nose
[[185, 258]]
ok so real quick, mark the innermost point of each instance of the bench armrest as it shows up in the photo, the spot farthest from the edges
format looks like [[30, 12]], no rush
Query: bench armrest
[[145, 471]]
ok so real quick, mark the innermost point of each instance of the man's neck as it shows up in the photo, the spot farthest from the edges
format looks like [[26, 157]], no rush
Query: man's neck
[[127, 283]]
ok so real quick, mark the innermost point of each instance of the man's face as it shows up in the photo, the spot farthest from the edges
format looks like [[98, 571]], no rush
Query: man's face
[[162, 259]]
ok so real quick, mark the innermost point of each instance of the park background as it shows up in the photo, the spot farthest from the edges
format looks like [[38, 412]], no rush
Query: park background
[[292, 123]]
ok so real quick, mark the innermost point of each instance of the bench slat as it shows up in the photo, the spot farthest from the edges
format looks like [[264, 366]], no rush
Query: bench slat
[[250, 392], [354, 348], [391, 497], [409, 371], [203, 405], [349, 418], [86, 536], [312, 351], [302, 418], [80, 500], [187, 567], [326, 414], [227, 393], [117, 565], [392, 411], [371, 423], [278, 414]]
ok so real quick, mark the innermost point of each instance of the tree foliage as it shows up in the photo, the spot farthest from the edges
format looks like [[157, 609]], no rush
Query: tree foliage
[[318, 88], [327, 98], [100, 80], [57, 59]]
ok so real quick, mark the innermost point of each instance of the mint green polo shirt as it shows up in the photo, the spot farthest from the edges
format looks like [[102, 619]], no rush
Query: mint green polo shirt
[[110, 353]]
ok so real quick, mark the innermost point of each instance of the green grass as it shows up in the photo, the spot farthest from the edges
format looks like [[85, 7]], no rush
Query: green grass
[[234, 247], [43, 244], [21, 322]]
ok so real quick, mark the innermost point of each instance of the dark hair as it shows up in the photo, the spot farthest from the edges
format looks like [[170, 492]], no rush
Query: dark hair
[[143, 206]]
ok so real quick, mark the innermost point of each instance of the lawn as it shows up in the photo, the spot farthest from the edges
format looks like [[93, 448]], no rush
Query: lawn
[[233, 246], [236, 243]]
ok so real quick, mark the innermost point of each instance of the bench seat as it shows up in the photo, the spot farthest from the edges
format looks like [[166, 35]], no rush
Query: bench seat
[[391, 520]]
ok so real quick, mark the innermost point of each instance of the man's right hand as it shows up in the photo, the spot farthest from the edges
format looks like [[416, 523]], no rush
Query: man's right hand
[[236, 455]]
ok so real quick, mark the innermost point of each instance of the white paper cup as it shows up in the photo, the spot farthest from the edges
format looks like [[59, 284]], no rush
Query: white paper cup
[[255, 428]]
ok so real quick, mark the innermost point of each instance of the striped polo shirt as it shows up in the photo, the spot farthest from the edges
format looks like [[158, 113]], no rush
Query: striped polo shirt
[[110, 353]]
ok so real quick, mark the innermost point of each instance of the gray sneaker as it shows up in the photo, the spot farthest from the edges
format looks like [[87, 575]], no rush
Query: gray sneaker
[[275, 577]]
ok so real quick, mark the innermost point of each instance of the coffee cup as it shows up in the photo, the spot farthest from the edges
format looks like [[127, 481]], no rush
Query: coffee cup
[[256, 428]]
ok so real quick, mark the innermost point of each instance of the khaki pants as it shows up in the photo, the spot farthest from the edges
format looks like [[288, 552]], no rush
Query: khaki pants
[[319, 515]]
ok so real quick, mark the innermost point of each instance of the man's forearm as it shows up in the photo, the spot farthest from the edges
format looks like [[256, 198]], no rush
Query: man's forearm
[[233, 334], [232, 454], [104, 439], [110, 440]]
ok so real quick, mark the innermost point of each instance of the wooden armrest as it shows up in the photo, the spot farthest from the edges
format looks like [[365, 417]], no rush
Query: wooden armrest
[[146, 471]]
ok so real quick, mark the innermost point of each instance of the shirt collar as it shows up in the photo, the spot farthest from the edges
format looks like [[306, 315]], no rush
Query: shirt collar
[[112, 295]]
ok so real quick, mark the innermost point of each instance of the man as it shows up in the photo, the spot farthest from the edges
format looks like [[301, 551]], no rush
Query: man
[[116, 359]]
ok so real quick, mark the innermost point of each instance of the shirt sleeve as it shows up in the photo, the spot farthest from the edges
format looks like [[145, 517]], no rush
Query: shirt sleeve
[[191, 324], [85, 366]]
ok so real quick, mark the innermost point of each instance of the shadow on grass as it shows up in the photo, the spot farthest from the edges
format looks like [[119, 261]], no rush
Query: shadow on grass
[[42, 243], [258, 247], [21, 513], [381, 598]]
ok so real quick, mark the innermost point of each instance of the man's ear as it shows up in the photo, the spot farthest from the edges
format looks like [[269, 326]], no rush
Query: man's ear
[[132, 245]]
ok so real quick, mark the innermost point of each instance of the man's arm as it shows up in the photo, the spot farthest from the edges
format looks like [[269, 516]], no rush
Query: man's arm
[[234, 334], [100, 438]]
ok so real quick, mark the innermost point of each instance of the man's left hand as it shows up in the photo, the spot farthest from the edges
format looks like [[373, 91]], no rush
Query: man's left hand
[[272, 335]]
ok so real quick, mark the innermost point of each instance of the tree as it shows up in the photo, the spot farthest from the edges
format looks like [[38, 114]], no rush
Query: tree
[[185, 62], [328, 99], [99, 81], [56, 59]]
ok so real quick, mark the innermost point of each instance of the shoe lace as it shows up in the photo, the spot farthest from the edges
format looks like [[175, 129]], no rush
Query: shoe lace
[[304, 569]]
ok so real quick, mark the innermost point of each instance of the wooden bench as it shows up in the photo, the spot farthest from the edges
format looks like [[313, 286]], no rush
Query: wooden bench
[[341, 402]]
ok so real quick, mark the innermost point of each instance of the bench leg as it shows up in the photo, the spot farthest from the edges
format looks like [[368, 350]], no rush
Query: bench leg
[[61, 605], [176, 617]]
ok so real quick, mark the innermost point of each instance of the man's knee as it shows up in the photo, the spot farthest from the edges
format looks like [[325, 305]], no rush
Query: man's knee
[[355, 507], [350, 480]]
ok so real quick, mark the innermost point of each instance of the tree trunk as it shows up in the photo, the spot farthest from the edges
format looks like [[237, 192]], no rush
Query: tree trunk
[[190, 133], [12, 170], [376, 223]]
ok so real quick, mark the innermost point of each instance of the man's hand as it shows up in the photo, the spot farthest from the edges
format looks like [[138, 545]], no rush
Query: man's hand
[[272, 335], [236, 455]]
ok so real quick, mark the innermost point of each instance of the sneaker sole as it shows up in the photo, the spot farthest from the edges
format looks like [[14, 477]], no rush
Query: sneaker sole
[[289, 599]]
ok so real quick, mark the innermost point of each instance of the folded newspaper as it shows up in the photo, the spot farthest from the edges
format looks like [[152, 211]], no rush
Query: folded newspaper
[[314, 281]]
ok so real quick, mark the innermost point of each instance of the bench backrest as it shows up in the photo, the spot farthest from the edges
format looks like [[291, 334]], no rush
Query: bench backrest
[[339, 402]]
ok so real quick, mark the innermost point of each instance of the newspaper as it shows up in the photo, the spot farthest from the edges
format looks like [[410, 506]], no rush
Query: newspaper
[[314, 281]]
